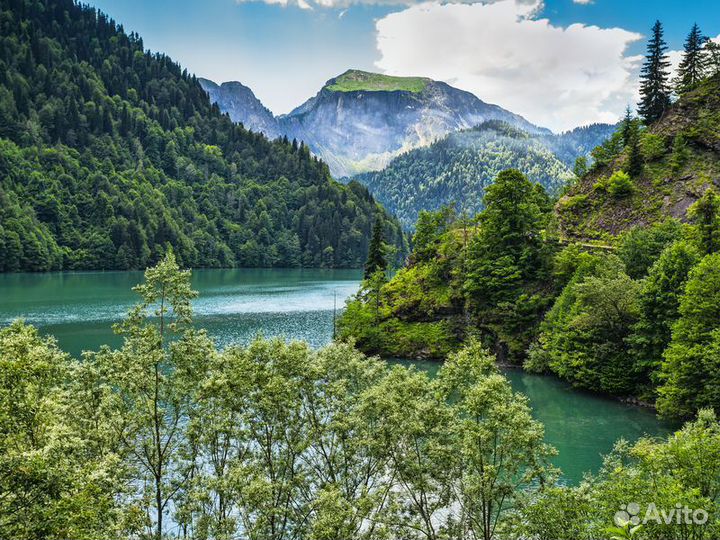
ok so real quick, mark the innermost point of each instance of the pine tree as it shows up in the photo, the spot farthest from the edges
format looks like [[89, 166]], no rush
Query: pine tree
[[376, 254], [654, 88], [631, 133], [693, 66], [705, 215], [712, 51], [627, 126]]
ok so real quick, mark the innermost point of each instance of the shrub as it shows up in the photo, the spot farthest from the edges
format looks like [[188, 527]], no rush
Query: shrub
[[652, 146], [619, 184]]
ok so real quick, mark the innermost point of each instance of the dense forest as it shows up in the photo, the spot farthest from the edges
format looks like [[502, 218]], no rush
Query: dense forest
[[169, 437], [635, 314], [109, 154], [636, 318], [458, 168]]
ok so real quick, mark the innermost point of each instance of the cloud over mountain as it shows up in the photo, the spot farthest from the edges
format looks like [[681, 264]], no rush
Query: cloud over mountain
[[556, 76]]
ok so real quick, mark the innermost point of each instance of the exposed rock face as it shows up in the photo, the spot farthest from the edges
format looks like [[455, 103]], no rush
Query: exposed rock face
[[359, 121], [241, 104]]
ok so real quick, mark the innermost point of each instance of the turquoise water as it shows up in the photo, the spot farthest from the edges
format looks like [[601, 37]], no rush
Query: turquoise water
[[236, 305]]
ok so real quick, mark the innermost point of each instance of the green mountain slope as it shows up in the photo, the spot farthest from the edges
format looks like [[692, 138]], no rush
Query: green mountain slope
[[458, 168], [680, 160], [110, 154], [354, 80]]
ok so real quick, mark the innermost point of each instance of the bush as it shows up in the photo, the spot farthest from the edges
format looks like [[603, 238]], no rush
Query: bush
[[619, 184], [652, 146]]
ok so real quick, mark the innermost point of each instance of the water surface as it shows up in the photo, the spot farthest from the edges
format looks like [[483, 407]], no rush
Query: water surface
[[236, 305]]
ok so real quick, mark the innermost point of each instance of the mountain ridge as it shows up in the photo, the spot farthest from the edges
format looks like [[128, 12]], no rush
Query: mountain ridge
[[358, 121], [112, 155], [457, 168]]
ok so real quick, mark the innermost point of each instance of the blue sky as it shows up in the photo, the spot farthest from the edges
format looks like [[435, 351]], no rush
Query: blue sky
[[559, 62]]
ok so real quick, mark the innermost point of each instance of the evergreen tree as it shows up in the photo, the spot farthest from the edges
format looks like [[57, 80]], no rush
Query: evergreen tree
[[627, 126], [659, 302], [654, 88], [581, 167], [376, 254], [694, 62], [691, 368], [712, 50], [704, 214], [631, 136]]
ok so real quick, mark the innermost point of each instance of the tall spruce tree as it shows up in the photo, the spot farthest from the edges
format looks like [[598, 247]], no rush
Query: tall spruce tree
[[693, 66], [627, 126], [634, 163], [376, 254], [654, 87]]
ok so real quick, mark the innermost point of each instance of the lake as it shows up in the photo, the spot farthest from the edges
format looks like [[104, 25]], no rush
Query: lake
[[235, 305]]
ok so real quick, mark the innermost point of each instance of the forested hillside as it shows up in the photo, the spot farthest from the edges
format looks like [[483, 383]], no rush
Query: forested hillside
[[634, 314], [109, 154], [458, 168], [644, 174]]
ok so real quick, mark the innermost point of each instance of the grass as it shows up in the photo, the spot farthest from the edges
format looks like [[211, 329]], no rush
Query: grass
[[353, 81]]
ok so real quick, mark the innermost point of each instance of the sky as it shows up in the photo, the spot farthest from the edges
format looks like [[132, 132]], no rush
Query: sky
[[559, 63]]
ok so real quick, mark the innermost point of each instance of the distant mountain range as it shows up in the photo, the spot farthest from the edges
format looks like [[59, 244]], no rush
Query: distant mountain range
[[458, 168], [360, 121]]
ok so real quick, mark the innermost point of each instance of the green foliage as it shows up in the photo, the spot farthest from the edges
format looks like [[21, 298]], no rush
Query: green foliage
[[659, 303], [691, 364], [705, 215], [654, 79], [355, 81], [653, 146], [56, 478], [458, 169], [634, 161], [619, 184], [640, 247], [681, 471], [580, 168], [608, 151], [429, 231], [488, 275], [694, 64], [376, 261], [583, 337], [110, 154]]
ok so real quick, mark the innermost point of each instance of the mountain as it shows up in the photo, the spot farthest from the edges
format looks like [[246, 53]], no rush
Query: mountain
[[359, 121], [680, 157], [242, 106], [458, 168], [110, 155]]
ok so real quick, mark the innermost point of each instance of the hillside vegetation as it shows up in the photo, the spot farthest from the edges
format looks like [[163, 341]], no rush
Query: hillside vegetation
[[170, 437], [679, 161], [458, 168], [110, 154], [355, 80], [637, 318]]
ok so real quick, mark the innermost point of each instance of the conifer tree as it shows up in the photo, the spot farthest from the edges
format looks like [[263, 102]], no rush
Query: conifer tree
[[627, 126], [712, 51], [694, 62], [634, 164], [376, 254], [705, 215], [654, 88]]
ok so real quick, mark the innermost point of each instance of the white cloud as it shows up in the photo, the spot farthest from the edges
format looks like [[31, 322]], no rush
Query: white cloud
[[583, 1], [331, 4], [559, 77]]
